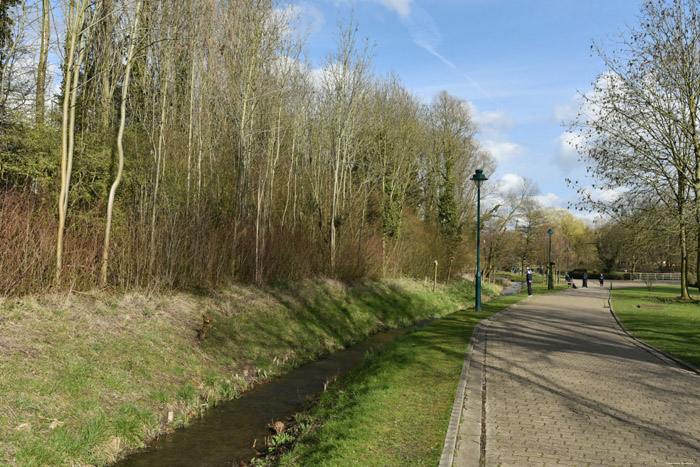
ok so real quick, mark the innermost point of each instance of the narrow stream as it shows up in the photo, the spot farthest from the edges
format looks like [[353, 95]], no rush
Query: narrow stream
[[225, 435], [513, 288]]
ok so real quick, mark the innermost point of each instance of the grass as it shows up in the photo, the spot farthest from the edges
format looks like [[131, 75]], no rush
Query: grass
[[674, 329], [86, 378], [394, 409]]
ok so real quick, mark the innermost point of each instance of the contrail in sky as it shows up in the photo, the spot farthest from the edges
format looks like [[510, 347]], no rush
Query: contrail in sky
[[426, 35]]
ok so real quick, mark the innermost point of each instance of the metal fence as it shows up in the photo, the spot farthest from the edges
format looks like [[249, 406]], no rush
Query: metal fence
[[657, 276]]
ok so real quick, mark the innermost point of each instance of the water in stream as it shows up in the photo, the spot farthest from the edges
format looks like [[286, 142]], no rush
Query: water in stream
[[513, 288], [225, 435]]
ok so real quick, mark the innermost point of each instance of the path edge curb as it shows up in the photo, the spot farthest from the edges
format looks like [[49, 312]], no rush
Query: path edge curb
[[647, 347], [448, 448]]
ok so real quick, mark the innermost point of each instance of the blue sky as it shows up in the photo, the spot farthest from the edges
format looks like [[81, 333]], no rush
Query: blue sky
[[519, 62]]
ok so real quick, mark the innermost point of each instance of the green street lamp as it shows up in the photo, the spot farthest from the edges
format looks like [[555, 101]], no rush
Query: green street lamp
[[568, 249], [478, 178], [549, 270]]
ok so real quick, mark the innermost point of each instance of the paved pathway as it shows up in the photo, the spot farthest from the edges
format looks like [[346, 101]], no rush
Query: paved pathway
[[554, 381]]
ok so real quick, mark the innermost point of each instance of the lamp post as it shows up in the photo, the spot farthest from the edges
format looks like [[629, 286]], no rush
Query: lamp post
[[478, 178], [568, 249], [549, 270]]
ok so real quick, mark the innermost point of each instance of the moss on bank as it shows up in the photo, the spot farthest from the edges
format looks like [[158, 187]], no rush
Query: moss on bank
[[87, 378]]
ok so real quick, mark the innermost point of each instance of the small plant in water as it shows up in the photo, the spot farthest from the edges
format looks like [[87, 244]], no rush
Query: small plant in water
[[330, 381], [280, 440]]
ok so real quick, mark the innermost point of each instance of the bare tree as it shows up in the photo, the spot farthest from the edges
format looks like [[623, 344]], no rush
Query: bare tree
[[342, 93], [513, 203]]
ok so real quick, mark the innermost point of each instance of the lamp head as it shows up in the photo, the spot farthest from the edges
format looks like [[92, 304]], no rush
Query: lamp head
[[479, 177], [550, 231]]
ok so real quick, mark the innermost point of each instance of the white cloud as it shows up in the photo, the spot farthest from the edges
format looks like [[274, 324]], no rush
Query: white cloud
[[302, 18], [500, 188], [567, 156], [496, 120], [550, 200], [326, 76], [509, 182], [492, 125], [568, 111], [604, 195], [585, 107], [607, 196], [286, 66], [503, 151], [491, 121], [402, 7]]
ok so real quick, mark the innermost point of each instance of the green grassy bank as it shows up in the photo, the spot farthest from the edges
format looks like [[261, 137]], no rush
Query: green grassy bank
[[86, 378], [394, 409], [673, 328]]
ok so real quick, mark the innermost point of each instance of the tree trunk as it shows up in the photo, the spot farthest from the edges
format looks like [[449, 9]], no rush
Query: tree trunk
[[696, 189], [109, 81], [120, 146], [684, 263], [683, 239], [190, 123], [334, 212], [41, 68], [71, 122], [75, 23], [695, 140], [159, 161]]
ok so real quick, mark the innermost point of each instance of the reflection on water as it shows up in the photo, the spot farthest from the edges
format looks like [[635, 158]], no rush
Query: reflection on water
[[225, 435]]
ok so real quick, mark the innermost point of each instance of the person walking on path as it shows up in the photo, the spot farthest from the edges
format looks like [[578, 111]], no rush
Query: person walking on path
[[602, 278], [585, 281], [528, 278]]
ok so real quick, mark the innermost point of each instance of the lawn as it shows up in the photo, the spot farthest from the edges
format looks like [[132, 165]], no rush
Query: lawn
[[675, 328], [394, 409]]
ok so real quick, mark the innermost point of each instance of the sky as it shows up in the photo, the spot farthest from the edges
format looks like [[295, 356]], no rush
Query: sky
[[522, 64]]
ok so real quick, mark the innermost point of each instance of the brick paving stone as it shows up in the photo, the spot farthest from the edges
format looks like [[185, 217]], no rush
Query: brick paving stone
[[565, 386]]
